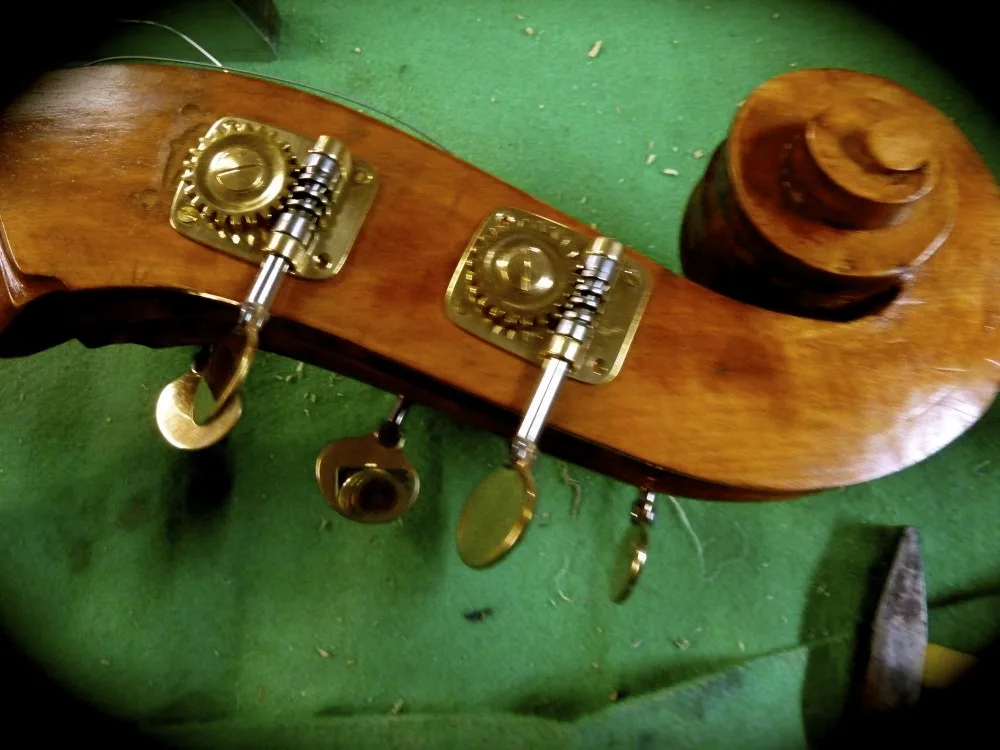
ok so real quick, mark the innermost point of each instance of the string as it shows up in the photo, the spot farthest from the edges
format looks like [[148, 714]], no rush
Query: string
[[179, 33], [273, 79]]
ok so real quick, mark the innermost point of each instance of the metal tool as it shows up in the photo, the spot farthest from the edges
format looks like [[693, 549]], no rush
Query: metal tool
[[895, 670], [901, 661], [369, 479]]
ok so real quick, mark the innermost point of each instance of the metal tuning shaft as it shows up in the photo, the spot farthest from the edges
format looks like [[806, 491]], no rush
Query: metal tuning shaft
[[501, 506], [368, 479], [630, 557], [223, 368]]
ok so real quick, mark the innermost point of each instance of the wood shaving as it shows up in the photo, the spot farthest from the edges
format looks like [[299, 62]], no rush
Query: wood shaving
[[519, 16], [595, 50], [562, 572], [541, 106], [324, 524], [671, 172], [583, 199], [357, 50], [493, 99], [793, 65], [574, 508], [636, 644], [699, 154], [396, 707], [349, 662], [742, 646], [682, 643], [650, 159], [323, 653], [529, 31]]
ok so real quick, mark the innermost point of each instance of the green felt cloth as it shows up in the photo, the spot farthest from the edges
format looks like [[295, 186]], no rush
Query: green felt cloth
[[199, 594]]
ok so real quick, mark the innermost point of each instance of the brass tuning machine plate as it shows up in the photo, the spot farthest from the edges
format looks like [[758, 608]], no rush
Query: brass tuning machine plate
[[569, 302], [238, 177], [516, 275], [369, 479], [272, 198]]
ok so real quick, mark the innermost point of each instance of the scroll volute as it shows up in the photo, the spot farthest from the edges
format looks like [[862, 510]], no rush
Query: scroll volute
[[829, 193]]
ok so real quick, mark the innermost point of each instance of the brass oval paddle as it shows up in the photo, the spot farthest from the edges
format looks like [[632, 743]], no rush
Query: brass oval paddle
[[368, 479], [496, 514]]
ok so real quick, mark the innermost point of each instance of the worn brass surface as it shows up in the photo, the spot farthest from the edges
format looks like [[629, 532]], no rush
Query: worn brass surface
[[366, 481], [219, 374], [514, 276]]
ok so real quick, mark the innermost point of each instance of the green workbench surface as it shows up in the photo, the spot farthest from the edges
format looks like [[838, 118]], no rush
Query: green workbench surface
[[203, 596]]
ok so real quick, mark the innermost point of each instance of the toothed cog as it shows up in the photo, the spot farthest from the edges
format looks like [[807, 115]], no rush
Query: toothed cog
[[239, 175], [516, 281]]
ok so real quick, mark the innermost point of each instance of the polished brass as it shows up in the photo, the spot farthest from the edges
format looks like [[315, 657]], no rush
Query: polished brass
[[235, 180], [218, 374], [633, 550], [513, 279], [496, 514], [238, 175], [629, 560], [369, 479]]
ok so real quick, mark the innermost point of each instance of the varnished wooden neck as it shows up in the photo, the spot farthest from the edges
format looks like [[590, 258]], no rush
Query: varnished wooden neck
[[717, 398]]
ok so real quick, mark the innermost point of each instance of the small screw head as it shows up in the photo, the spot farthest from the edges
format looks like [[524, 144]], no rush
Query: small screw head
[[362, 176], [599, 366], [187, 214]]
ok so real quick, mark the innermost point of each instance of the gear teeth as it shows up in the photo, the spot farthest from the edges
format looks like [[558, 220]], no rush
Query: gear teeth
[[236, 222], [505, 321]]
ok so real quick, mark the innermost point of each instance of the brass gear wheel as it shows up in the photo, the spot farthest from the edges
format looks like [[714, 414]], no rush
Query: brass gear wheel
[[238, 175], [517, 281]]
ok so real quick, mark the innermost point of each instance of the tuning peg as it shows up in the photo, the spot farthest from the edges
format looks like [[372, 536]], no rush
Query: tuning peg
[[501, 506], [368, 479], [225, 366], [630, 557]]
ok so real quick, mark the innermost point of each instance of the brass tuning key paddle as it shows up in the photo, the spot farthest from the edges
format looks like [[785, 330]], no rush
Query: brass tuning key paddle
[[501, 506], [630, 556], [266, 196], [369, 479]]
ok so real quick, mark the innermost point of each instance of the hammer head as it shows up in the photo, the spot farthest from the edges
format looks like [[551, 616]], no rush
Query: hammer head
[[899, 638]]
